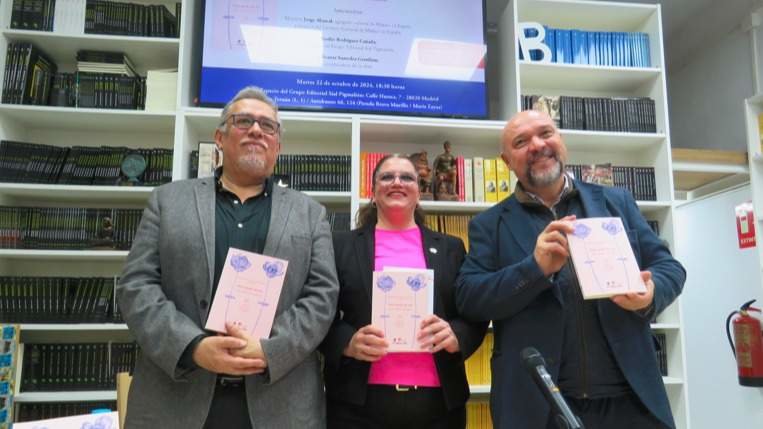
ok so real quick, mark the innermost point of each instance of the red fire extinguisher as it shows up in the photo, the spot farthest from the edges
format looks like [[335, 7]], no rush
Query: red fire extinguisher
[[747, 345]]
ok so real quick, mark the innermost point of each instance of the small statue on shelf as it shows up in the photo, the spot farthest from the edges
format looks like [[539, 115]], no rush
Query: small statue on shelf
[[445, 175], [105, 235], [421, 164]]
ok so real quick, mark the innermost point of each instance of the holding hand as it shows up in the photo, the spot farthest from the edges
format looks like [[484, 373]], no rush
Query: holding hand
[[253, 347], [637, 300], [437, 335], [367, 344], [551, 251], [215, 354]]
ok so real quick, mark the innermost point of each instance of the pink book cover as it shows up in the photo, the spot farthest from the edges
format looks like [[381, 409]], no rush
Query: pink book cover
[[603, 258], [248, 292], [98, 420], [401, 298]]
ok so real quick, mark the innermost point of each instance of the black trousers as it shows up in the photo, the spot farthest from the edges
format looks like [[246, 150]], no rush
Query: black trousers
[[386, 407], [620, 412], [229, 409]]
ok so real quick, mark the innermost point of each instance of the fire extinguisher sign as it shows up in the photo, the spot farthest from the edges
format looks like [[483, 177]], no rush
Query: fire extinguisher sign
[[745, 225]]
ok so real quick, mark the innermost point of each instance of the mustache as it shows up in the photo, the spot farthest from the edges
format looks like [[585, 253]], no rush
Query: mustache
[[546, 152]]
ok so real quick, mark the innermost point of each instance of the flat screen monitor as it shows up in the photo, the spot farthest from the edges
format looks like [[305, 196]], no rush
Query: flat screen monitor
[[411, 57]]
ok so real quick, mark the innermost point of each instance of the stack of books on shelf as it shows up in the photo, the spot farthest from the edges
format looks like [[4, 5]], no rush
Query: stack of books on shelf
[[67, 228], [661, 348], [9, 344], [477, 180], [455, 225], [75, 367], [57, 300], [620, 114], [478, 415], [23, 162], [339, 221], [601, 48], [32, 15], [314, 172], [130, 19], [639, 181], [28, 74], [32, 411]]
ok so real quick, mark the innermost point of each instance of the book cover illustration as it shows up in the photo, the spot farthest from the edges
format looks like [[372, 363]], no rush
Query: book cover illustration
[[603, 258], [248, 292], [401, 298], [600, 174]]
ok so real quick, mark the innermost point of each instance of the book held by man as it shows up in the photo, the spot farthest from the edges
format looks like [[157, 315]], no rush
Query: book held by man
[[401, 299], [247, 293], [603, 258]]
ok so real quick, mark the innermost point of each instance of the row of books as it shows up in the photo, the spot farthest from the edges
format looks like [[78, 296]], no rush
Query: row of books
[[315, 172], [9, 344], [131, 19], [33, 14], [68, 228], [28, 75], [623, 114], [339, 221], [58, 300], [477, 179], [602, 48], [455, 225], [639, 181], [31, 411], [478, 364], [23, 162], [478, 415], [69, 367], [661, 348]]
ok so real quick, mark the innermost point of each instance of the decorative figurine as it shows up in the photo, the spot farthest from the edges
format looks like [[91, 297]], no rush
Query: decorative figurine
[[105, 235], [133, 165], [444, 176], [421, 164]]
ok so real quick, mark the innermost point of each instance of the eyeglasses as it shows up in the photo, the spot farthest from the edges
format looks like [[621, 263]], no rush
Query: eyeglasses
[[389, 178], [244, 121]]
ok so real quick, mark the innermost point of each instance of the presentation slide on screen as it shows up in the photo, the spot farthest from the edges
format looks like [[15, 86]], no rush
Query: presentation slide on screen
[[424, 56]]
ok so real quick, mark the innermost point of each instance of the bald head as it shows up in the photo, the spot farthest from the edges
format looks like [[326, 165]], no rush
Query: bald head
[[533, 149]]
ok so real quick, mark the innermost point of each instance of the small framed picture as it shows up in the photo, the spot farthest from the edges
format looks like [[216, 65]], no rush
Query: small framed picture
[[209, 159]]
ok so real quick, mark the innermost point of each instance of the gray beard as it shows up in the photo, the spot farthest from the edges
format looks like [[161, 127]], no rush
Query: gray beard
[[251, 163], [549, 177]]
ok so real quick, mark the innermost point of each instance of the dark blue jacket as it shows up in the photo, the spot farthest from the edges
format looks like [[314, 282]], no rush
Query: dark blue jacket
[[500, 281]]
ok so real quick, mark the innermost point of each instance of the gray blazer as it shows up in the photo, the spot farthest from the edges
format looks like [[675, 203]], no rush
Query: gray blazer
[[165, 294]]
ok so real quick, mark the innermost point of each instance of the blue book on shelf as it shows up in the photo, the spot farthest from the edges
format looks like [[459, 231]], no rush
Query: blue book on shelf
[[550, 41], [593, 55], [559, 37], [645, 54], [620, 42], [567, 42], [579, 47], [628, 47]]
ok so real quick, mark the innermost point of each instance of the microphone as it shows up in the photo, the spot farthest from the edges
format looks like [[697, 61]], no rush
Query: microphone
[[536, 366]]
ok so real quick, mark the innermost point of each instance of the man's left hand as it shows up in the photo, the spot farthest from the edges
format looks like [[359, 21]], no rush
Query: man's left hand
[[637, 300], [253, 348]]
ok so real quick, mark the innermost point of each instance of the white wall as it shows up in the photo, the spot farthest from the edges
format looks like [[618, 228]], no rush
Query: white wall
[[706, 96], [720, 278]]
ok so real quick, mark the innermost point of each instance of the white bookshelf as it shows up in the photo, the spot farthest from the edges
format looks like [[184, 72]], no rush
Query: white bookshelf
[[753, 111], [184, 127]]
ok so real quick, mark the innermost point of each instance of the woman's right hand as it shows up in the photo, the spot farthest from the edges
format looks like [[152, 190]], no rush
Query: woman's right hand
[[367, 344]]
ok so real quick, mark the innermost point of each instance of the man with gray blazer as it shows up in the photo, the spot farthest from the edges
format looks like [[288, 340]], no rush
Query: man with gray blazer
[[185, 376]]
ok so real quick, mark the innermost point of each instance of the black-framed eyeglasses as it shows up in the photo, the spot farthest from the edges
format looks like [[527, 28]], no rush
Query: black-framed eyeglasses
[[244, 121], [389, 178]]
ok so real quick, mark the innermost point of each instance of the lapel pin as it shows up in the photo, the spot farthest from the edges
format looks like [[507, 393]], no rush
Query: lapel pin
[[433, 250]]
